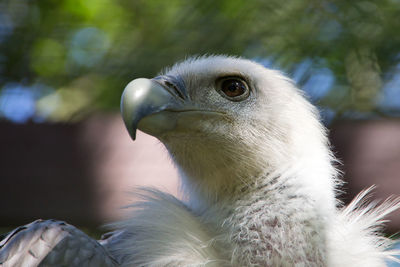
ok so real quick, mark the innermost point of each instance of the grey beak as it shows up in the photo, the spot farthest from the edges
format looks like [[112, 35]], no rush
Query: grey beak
[[144, 97]]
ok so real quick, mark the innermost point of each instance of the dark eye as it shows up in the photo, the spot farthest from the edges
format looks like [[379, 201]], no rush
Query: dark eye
[[234, 89]]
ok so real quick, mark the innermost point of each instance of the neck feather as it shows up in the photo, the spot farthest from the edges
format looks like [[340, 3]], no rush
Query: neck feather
[[271, 221]]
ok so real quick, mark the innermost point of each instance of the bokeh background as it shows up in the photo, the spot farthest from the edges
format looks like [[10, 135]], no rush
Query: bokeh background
[[64, 152]]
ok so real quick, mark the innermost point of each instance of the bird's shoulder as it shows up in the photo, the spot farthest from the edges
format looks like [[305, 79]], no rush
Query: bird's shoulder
[[173, 233]]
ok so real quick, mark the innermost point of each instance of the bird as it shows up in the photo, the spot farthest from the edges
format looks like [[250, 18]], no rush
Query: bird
[[257, 174]]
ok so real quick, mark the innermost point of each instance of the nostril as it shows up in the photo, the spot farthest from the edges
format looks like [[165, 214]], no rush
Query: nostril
[[173, 84]]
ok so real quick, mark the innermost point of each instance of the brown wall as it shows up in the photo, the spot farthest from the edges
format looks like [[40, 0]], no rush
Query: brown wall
[[80, 172], [370, 154]]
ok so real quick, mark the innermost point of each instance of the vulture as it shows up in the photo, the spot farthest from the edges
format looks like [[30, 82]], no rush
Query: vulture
[[257, 174]]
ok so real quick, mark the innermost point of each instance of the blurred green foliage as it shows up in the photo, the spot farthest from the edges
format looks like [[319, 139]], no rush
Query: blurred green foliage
[[76, 56]]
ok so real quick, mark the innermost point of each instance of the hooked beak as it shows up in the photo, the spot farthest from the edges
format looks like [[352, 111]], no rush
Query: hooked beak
[[143, 98]]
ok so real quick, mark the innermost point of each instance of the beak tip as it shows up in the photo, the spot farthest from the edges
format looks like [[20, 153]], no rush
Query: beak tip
[[133, 134], [131, 127]]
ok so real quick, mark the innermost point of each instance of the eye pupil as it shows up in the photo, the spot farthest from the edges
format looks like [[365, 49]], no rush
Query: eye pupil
[[233, 88]]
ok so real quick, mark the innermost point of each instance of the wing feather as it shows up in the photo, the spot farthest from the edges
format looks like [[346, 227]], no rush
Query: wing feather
[[52, 243]]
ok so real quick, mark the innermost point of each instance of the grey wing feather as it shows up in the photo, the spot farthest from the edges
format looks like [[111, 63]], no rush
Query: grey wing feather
[[52, 243]]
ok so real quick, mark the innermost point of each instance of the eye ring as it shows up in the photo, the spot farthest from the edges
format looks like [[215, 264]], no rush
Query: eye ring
[[233, 88]]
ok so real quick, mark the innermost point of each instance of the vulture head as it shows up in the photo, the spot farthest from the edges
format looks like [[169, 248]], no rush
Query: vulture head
[[229, 122]]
